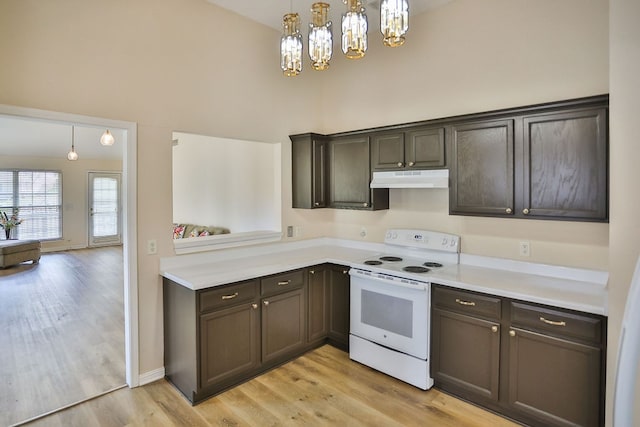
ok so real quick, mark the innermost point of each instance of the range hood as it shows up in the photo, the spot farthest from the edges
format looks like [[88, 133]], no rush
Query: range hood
[[434, 178]]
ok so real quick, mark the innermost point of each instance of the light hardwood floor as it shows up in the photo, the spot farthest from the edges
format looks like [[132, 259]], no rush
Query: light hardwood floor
[[321, 388], [61, 331]]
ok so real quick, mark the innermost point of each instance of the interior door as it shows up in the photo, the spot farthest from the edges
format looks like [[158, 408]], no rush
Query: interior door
[[105, 225]]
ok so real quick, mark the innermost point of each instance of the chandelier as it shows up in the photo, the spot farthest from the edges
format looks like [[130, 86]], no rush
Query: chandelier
[[394, 23]]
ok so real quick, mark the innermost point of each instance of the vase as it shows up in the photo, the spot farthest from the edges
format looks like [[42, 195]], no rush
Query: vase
[[7, 233]]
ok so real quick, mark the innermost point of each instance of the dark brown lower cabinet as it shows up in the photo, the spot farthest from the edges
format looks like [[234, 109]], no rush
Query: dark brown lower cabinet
[[229, 343], [457, 336], [554, 381], [540, 365], [219, 337], [283, 325], [339, 300]]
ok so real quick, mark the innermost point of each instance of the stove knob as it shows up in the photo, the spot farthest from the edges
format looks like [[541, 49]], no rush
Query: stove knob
[[388, 235], [394, 235], [445, 241]]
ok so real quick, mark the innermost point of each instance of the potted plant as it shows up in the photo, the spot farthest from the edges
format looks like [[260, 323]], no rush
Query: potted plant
[[9, 223]]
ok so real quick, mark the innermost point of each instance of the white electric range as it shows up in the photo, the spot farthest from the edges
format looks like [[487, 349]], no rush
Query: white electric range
[[390, 303]]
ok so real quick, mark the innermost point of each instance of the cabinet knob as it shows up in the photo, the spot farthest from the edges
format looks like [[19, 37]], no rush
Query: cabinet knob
[[254, 305], [400, 164], [312, 272], [345, 271], [512, 333], [494, 328], [411, 164], [508, 210], [525, 211], [316, 204], [365, 204], [265, 303]]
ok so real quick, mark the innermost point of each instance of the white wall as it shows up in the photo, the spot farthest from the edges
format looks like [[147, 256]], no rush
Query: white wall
[[624, 173], [75, 191], [226, 183]]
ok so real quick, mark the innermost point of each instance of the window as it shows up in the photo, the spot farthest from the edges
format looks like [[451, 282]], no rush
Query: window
[[37, 197]]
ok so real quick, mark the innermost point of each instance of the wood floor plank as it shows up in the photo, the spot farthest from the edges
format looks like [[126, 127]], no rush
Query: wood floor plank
[[63, 321], [321, 388]]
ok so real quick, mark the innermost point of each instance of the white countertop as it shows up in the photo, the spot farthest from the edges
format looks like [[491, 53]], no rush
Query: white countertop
[[571, 288]]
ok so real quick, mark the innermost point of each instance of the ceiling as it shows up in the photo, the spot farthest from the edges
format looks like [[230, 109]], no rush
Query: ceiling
[[270, 12], [39, 138]]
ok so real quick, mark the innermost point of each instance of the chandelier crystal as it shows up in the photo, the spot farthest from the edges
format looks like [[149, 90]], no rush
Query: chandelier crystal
[[394, 21], [320, 37], [291, 45], [354, 30]]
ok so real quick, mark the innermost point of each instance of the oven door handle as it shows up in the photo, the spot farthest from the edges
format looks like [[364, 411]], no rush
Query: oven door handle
[[421, 286]]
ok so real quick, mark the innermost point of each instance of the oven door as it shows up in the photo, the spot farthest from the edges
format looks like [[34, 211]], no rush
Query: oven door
[[391, 315]]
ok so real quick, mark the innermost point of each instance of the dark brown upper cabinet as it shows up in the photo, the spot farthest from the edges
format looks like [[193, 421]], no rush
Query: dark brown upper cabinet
[[309, 154], [545, 162], [482, 173], [565, 164], [350, 175], [416, 149]]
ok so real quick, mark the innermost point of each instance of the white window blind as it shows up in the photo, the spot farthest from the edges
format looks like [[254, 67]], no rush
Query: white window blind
[[37, 197]]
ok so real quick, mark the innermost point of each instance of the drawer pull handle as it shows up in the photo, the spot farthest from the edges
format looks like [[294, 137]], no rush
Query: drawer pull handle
[[553, 322], [462, 302], [232, 296], [284, 283]]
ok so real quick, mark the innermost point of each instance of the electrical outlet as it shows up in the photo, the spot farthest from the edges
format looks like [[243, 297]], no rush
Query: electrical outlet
[[525, 248], [290, 231], [363, 232], [152, 247]]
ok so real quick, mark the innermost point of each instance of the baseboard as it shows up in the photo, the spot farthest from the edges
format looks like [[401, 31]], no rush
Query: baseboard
[[151, 376]]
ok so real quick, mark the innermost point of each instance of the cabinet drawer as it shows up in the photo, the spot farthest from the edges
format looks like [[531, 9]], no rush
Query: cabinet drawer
[[468, 302], [556, 321], [228, 296], [282, 282]]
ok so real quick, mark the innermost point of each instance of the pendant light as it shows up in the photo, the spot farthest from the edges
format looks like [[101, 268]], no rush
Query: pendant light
[[394, 21], [320, 37], [72, 155], [107, 139], [354, 30], [291, 45]]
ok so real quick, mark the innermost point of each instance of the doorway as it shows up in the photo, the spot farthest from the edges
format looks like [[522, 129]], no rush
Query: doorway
[[104, 209], [128, 217]]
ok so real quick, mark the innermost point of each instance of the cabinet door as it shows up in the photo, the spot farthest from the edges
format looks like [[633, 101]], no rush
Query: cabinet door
[[318, 303], [466, 355], [349, 173], [283, 325], [387, 151], [424, 148], [229, 343], [565, 165], [482, 178], [309, 171], [339, 296], [555, 382]]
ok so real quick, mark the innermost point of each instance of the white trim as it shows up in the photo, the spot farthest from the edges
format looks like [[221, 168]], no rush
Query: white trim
[[151, 376], [129, 230], [224, 241]]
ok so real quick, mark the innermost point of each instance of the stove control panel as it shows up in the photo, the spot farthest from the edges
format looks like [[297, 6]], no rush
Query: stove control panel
[[423, 239]]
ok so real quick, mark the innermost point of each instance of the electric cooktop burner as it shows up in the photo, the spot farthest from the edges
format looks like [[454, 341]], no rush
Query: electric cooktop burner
[[416, 269], [391, 258], [432, 264], [373, 262]]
